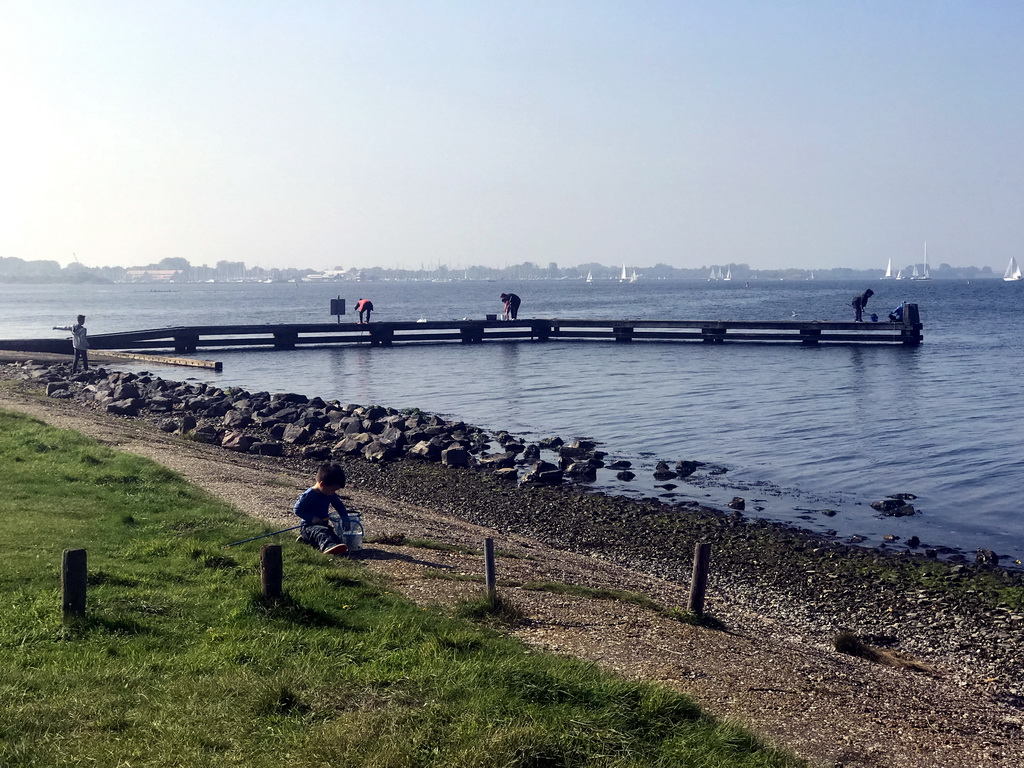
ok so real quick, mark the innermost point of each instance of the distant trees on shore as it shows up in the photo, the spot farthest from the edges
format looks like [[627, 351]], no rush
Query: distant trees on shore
[[179, 270]]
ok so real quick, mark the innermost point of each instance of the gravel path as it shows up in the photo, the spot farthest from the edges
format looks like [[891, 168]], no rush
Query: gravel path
[[772, 668]]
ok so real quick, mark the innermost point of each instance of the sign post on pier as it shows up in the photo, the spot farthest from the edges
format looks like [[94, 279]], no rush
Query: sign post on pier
[[338, 307]]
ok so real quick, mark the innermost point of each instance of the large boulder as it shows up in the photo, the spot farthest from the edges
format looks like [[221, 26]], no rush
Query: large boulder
[[380, 452], [577, 448], [686, 468], [318, 451], [237, 441], [237, 419], [662, 472], [392, 436], [161, 404], [296, 434], [498, 461], [455, 457], [544, 472], [427, 450], [289, 397], [267, 449], [126, 392], [206, 434], [350, 446], [583, 471], [894, 507], [125, 407]]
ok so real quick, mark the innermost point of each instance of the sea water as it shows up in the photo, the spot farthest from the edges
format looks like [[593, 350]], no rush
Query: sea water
[[806, 435]]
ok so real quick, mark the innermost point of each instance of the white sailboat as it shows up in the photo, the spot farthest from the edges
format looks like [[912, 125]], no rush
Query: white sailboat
[[728, 273], [899, 275], [888, 271], [633, 277], [590, 277], [924, 275], [624, 277], [1012, 273], [713, 275]]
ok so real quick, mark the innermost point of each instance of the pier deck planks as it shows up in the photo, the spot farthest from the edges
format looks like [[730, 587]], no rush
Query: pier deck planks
[[188, 339]]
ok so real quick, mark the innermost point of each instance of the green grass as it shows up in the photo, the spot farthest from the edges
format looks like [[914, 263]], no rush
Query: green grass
[[180, 661]]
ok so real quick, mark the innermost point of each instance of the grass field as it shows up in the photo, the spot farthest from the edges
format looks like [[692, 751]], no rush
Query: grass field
[[180, 662]]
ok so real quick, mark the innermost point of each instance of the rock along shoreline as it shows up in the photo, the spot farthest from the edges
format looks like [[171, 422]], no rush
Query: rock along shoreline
[[965, 619]]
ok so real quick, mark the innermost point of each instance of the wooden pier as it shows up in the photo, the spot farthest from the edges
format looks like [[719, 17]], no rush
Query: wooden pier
[[189, 339]]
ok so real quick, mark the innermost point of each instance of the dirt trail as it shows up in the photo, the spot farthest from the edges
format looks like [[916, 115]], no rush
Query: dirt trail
[[831, 709]]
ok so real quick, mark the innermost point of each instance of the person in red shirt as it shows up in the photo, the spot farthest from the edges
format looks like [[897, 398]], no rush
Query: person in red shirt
[[364, 305]]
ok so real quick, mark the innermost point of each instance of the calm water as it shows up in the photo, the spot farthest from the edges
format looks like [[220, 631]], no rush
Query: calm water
[[800, 430]]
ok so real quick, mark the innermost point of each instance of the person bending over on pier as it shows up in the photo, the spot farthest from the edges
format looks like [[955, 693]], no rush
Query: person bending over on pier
[[859, 302], [80, 341], [314, 508], [364, 305], [512, 303]]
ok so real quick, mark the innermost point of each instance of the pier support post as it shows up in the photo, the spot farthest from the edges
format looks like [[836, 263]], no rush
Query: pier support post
[[911, 332], [73, 577], [712, 335], [381, 335], [540, 331], [810, 335], [490, 574], [285, 339], [472, 334], [699, 580], [623, 332], [186, 342], [271, 570]]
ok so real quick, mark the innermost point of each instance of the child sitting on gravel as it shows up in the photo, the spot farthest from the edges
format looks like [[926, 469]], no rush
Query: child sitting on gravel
[[314, 507]]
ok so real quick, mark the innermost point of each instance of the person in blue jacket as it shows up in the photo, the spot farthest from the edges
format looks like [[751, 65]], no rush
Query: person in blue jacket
[[314, 508]]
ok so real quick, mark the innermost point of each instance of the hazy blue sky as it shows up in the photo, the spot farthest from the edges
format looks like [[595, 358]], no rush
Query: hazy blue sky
[[805, 134]]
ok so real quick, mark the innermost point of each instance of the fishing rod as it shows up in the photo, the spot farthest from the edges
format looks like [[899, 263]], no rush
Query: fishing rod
[[265, 535]]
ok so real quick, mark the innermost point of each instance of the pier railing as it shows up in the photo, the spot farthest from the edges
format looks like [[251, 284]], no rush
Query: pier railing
[[187, 339]]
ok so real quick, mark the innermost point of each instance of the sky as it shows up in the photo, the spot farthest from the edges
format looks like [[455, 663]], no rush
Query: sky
[[359, 133]]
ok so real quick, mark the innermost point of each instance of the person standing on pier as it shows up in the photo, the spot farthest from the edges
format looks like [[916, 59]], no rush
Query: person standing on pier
[[512, 303], [859, 302], [79, 340], [364, 305]]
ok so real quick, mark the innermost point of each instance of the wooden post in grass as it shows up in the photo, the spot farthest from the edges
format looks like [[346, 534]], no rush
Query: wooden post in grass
[[699, 581], [490, 579], [73, 577], [271, 570]]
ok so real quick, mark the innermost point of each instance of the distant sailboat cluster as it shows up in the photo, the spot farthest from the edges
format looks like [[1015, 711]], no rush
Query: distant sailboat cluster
[[924, 275], [625, 277], [915, 274], [717, 274], [628, 278]]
